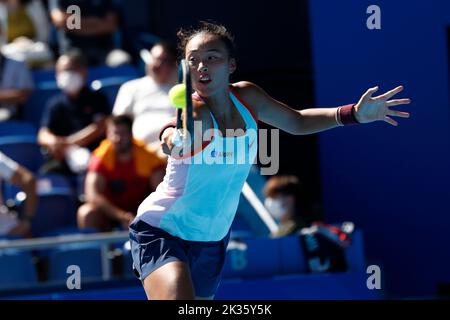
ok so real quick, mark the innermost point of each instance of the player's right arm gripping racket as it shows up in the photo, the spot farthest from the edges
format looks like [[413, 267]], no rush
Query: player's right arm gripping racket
[[185, 122]]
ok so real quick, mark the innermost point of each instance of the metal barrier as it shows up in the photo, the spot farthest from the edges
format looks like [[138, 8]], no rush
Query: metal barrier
[[103, 239]]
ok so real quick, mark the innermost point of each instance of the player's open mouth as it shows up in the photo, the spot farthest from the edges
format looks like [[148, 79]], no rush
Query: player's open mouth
[[204, 78]]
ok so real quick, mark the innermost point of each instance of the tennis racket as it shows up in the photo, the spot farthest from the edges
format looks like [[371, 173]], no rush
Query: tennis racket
[[185, 122]]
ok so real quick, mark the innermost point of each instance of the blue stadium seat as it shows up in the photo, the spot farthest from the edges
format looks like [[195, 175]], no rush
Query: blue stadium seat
[[35, 106], [103, 72], [15, 128], [17, 269], [46, 183], [44, 77], [355, 253], [88, 259], [49, 182], [110, 87], [253, 258], [56, 207], [292, 258], [23, 149], [55, 210]]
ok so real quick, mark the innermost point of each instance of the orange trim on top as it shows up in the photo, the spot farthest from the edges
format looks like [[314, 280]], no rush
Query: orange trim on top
[[195, 152], [244, 104]]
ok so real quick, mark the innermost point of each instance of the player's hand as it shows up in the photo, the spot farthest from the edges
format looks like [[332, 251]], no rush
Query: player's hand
[[378, 108], [167, 143]]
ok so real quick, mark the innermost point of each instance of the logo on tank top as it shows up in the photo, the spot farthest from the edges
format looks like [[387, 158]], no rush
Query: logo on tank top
[[215, 154]]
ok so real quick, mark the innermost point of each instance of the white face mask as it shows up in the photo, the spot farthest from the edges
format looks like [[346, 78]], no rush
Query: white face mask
[[69, 81], [275, 207]]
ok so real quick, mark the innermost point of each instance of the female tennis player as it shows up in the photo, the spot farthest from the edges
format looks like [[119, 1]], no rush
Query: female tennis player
[[181, 230]]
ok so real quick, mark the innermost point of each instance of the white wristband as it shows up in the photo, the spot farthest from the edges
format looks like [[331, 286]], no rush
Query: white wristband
[[336, 117]]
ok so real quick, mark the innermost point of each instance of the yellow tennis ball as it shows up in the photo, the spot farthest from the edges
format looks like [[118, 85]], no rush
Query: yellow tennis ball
[[177, 95]]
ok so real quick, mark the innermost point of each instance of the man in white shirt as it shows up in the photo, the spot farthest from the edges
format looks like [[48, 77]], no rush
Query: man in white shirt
[[24, 179], [16, 85], [146, 99]]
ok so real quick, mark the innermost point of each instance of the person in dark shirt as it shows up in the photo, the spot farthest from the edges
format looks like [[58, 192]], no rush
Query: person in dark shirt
[[99, 22], [73, 118]]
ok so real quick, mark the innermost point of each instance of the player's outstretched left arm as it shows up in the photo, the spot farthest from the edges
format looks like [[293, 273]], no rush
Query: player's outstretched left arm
[[308, 121]]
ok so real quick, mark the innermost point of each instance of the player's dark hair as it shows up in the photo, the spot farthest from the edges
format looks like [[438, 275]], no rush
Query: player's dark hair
[[215, 29], [122, 120]]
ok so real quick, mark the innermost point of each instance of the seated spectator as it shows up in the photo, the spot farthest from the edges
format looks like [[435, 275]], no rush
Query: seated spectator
[[146, 99], [25, 31], [74, 118], [24, 18], [99, 21], [122, 173], [323, 245], [16, 85], [22, 178], [287, 205]]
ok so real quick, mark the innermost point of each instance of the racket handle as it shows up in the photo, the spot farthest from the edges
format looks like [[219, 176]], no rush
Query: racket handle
[[179, 118], [178, 139]]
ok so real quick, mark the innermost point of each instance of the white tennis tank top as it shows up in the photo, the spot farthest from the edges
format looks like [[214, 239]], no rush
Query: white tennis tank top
[[198, 198]]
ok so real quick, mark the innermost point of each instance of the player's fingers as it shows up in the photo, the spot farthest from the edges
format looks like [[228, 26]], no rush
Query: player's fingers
[[165, 148], [368, 94], [396, 113], [396, 102], [390, 121], [390, 93]]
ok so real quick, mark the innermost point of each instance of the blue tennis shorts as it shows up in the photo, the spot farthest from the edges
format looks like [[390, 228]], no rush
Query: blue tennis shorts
[[153, 247]]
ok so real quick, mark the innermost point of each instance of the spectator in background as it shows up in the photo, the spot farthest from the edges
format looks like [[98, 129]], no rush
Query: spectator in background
[[323, 245], [99, 23], [25, 31], [75, 118], [122, 172], [16, 85], [24, 179], [287, 204], [146, 99], [24, 18]]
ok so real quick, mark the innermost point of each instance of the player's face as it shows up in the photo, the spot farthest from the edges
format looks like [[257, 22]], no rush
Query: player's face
[[120, 137], [210, 64]]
